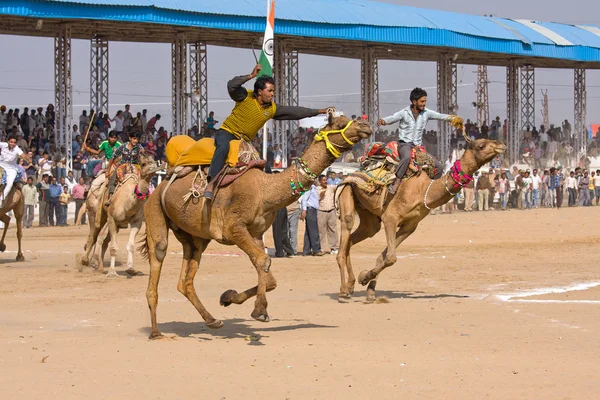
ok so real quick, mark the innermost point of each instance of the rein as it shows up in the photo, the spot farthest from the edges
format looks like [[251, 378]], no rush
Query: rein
[[324, 136], [458, 175]]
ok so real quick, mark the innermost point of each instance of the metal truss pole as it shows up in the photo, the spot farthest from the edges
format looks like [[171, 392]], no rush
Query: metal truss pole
[[179, 84], [580, 96], [99, 75], [512, 111], [447, 101], [292, 97], [63, 92], [483, 105], [370, 86], [199, 82], [545, 115], [527, 97]]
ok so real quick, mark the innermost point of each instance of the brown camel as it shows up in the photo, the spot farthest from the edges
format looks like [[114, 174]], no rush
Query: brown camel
[[15, 202], [238, 215], [414, 200], [125, 209]]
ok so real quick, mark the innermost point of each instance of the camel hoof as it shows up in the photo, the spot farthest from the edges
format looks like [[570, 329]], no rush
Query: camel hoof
[[85, 261], [370, 300], [344, 298], [362, 278], [262, 318], [112, 274], [226, 297], [216, 324], [155, 336], [2, 247], [20, 258]]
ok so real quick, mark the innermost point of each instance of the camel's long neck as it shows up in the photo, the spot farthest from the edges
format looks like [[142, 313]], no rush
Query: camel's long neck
[[278, 187], [144, 184], [441, 189]]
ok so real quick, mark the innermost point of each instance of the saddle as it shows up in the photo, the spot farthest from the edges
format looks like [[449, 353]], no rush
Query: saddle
[[379, 162], [185, 155]]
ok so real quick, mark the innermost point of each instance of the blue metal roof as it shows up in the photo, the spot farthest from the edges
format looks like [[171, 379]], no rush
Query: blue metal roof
[[337, 19]]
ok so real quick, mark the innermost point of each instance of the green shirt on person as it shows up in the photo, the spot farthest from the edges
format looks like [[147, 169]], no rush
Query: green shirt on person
[[109, 149]]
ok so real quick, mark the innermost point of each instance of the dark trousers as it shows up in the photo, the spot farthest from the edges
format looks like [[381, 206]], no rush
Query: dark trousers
[[62, 221], [572, 196], [54, 211], [222, 139], [312, 242], [404, 150], [559, 196], [280, 234], [78, 204], [44, 211], [112, 182]]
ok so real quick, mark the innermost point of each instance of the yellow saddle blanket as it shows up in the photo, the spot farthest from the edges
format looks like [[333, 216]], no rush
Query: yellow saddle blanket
[[182, 150]]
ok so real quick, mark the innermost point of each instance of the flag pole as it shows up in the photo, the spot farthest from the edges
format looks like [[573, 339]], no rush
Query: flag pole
[[265, 129]]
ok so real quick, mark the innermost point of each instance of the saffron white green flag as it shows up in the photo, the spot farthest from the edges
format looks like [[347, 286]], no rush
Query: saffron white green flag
[[266, 55]]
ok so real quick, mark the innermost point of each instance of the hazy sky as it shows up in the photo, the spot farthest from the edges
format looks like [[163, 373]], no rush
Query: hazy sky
[[140, 74]]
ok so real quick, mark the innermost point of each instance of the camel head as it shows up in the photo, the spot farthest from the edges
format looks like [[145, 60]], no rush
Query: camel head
[[148, 167], [484, 150], [343, 133]]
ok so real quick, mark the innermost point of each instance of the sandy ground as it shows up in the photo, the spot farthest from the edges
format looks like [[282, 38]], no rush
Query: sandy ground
[[455, 325]]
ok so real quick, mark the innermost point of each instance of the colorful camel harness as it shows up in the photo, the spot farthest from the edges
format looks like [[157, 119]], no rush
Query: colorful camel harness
[[302, 167], [458, 175]]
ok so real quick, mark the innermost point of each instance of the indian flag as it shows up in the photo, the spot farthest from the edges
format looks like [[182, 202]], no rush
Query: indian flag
[[266, 55]]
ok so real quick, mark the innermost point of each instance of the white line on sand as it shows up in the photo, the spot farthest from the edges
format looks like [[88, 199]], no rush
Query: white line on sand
[[510, 297]]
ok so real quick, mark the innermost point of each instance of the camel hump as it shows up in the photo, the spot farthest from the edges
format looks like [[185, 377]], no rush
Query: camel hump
[[182, 150]]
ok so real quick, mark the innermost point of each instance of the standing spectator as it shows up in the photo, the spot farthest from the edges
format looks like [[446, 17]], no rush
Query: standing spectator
[[469, 195], [30, 166], [50, 116], [559, 189], [591, 188], [3, 119], [293, 214], [30, 197], [327, 216], [526, 188], [503, 189], [78, 165], [210, 124], [78, 195], [119, 121], [536, 183], [54, 201], [584, 193], [137, 124], [84, 121], [309, 204], [127, 117], [493, 177], [483, 191], [144, 118], [597, 186], [43, 188], [571, 183], [65, 199]]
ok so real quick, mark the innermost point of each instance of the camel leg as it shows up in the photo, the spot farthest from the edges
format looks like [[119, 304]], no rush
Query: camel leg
[[135, 228], [369, 225], [95, 230], [100, 246], [114, 247], [20, 256], [192, 254], [5, 220], [261, 261], [386, 259], [157, 235]]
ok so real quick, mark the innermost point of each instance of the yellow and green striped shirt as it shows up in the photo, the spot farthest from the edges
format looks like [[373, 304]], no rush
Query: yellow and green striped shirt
[[247, 117]]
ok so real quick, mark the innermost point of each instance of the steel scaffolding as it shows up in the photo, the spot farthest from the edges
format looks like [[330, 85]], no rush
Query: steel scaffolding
[[199, 83], [447, 101], [527, 97], [179, 84], [287, 93], [369, 87], [545, 115], [580, 96], [483, 105], [99, 75], [63, 92], [513, 140]]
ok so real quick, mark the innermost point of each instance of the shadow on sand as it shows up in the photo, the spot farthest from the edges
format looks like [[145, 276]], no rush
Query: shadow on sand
[[233, 329], [359, 296]]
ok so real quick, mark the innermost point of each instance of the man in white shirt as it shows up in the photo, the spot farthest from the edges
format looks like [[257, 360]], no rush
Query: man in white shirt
[[597, 186], [571, 183], [9, 154], [526, 184], [536, 182], [412, 121]]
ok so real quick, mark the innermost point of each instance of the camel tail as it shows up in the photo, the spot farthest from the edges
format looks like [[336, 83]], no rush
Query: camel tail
[[142, 242]]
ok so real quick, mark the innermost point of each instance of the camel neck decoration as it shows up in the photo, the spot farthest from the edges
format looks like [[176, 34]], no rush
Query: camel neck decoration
[[402, 214], [238, 215]]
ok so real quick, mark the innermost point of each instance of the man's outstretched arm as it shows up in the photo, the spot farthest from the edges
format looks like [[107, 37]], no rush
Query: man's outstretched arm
[[296, 112]]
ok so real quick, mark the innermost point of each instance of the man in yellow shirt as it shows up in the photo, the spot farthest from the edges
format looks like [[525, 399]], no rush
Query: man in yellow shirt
[[253, 108]]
